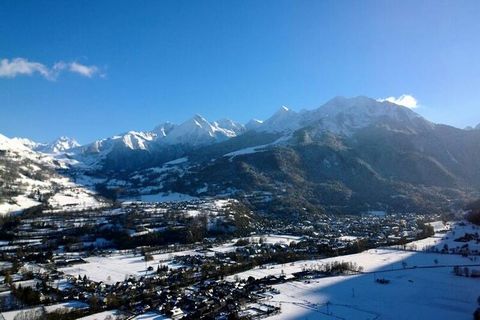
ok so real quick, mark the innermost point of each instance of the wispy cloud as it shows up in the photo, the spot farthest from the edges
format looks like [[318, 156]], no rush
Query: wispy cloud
[[405, 100], [86, 71], [20, 66]]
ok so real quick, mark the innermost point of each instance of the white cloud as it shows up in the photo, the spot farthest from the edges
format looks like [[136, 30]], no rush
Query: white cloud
[[405, 100], [20, 66], [86, 71]]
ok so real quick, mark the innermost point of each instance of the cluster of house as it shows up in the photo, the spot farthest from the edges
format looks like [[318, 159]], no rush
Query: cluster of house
[[176, 293], [38, 247]]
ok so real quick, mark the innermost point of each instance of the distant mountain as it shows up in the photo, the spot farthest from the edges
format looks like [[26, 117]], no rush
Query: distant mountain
[[236, 128], [253, 124], [163, 129], [344, 116], [194, 132], [167, 141], [131, 140], [61, 144], [115, 152], [28, 143], [30, 178], [349, 155], [282, 121], [16, 145], [198, 131]]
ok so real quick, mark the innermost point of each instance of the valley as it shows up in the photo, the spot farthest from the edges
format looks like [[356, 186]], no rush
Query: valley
[[330, 213]]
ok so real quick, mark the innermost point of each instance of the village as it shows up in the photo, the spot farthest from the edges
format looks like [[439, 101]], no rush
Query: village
[[186, 260]]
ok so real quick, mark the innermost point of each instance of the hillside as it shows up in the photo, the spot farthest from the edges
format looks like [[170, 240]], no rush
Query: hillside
[[350, 155], [31, 179]]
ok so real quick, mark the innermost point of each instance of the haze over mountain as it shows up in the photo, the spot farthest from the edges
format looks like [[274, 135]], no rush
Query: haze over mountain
[[349, 155]]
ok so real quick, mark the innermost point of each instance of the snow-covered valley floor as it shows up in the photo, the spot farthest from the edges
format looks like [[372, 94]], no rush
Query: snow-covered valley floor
[[421, 286], [413, 293]]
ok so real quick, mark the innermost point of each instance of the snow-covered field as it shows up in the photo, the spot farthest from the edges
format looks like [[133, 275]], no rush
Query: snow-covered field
[[115, 268], [412, 293], [275, 239], [36, 312], [443, 237], [150, 316], [271, 239], [440, 226], [75, 198], [256, 149], [69, 305], [17, 204], [422, 286], [105, 315]]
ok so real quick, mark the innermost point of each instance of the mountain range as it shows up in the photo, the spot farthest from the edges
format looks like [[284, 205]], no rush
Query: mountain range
[[350, 155]]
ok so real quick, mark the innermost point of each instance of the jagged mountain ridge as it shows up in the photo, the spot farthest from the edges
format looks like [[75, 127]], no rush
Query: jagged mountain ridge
[[339, 115], [62, 144], [349, 155]]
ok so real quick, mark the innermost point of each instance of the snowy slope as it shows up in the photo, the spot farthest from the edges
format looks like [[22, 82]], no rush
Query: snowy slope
[[422, 286], [130, 140], [163, 129], [339, 115], [29, 143], [15, 144], [194, 132], [344, 116], [253, 124], [198, 131], [284, 120], [234, 127], [29, 178], [411, 294], [62, 144], [92, 155], [134, 152]]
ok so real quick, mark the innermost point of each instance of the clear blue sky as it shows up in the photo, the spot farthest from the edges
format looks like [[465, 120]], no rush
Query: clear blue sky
[[153, 61]]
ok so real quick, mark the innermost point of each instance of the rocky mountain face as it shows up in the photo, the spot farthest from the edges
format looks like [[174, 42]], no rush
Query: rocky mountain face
[[348, 156]]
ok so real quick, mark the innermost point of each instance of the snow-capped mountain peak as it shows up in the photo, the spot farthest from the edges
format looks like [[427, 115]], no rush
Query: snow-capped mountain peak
[[345, 115], [339, 116], [28, 143], [253, 124], [61, 144], [137, 140], [131, 140], [197, 131], [233, 126], [282, 120], [163, 129], [15, 144]]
